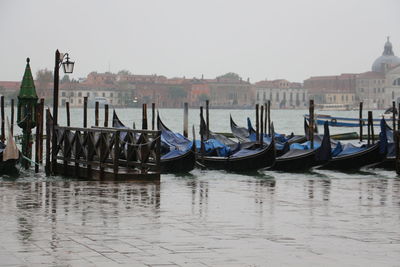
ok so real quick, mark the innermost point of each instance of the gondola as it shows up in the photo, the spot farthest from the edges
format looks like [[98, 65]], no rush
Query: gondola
[[387, 147], [249, 135], [354, 157], [242, 159], [9, 155], [303, 157], [178, 153], [181, 156]]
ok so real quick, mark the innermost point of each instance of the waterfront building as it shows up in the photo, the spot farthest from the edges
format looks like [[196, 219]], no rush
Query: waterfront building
[[335, 89], [281, 93], [229, 91], [370, 89], [380, 86]]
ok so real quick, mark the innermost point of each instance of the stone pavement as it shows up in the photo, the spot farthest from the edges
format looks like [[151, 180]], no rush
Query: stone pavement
[[200, 221]]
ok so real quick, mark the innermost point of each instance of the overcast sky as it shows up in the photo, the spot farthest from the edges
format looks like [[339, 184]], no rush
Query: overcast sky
[[292, 39]]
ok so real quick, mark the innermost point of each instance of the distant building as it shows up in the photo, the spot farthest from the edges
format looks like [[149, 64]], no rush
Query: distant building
[[281, 93], [370, 89], [229, 90], [379, 87], [336, 89]]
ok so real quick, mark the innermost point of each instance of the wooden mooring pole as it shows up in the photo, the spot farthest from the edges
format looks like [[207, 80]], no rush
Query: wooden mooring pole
[[370, 117], [37, 139], [12, 115], [202, 148], [85, 102], [185, 119], [41, 130], [361, 121], [257, 124], [394, 115], [396, 135], [3, 135], [48, 142], [262, 125], [208, 118], [266, 118], [369, 127], [96, 114], [269, 117], [68, 115], [153, 115], [106, 115], [311, 133], [398, 118], [144, 117]]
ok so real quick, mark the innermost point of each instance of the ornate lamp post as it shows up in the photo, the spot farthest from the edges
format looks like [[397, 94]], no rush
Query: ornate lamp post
[[26, 114], [68, 66]]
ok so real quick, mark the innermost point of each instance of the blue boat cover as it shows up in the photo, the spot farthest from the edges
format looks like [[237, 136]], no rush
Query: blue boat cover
[[173, 154], [384, 136], [349, 148], [213, 145], [245, 152], [278, 137]]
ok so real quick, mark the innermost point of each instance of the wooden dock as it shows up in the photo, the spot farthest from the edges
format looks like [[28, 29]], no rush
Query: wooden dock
[[106, 153]]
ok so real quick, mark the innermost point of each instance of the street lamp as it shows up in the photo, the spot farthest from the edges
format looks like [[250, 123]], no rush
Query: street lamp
[[68, 67]]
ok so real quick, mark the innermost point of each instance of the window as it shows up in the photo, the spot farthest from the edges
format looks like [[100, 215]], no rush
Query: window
[[304, 96], [63, 94], [72, 101], [264, 96], [104, 94], [396, 82], [80, 101], [79, 94], [111, 94], [258, 96], [277, 96]]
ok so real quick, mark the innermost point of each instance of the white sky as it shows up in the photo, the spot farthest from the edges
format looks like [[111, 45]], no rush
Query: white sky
[[292, 39]]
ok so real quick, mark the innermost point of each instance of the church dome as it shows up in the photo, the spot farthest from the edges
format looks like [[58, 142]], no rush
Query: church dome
[[387, 60]]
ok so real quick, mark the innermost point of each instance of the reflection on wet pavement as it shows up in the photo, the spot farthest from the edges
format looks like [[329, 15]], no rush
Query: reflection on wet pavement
[[209, 218]]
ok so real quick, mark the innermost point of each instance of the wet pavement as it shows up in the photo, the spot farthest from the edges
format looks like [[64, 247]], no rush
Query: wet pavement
[[208, 218]]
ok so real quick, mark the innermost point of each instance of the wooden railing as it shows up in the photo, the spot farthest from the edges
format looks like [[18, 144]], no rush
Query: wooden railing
[[106, 151]]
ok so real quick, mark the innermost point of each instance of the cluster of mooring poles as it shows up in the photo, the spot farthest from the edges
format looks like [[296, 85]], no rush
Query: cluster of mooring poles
[[110, 151]]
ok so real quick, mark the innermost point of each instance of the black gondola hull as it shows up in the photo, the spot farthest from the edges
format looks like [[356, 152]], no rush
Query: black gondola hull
[[298, 163], [182, 164], [8, 167], [262, 159], [356, 160]]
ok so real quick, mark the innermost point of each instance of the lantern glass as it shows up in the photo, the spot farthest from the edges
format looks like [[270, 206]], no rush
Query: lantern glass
[[68, 66]]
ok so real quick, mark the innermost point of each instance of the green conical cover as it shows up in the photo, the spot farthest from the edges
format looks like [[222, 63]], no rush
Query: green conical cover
[[27, 90]]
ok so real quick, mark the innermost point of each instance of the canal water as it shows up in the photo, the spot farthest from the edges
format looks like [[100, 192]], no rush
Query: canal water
[[204, 218]]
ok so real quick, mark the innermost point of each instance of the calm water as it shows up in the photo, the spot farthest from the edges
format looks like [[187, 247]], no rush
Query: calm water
[[205, 218]]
